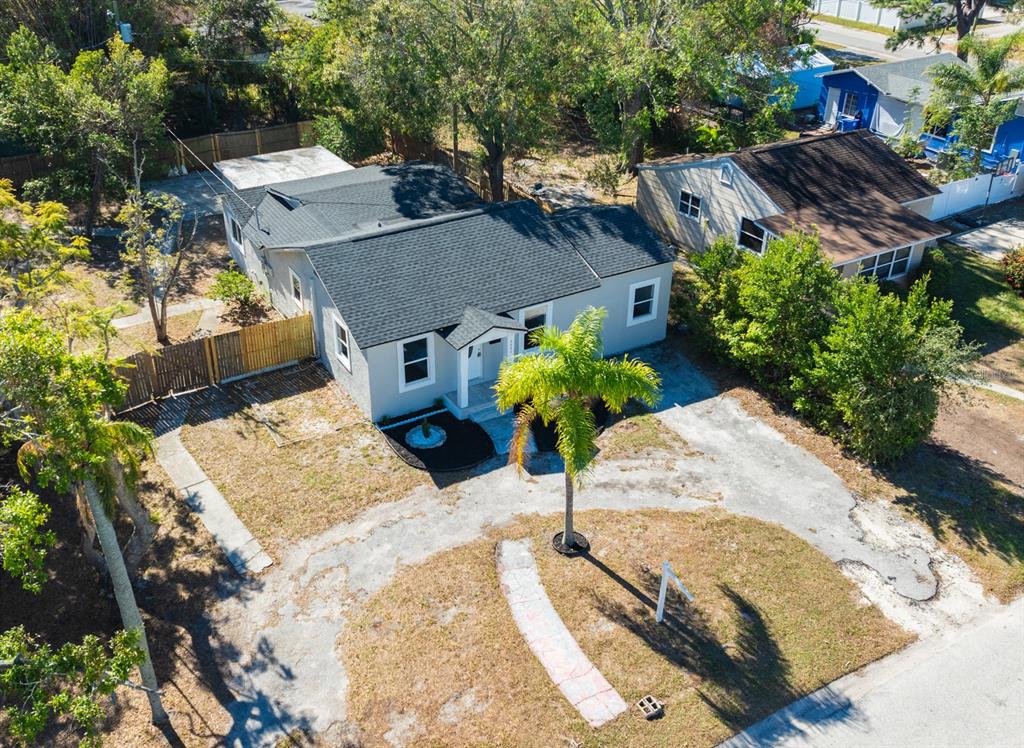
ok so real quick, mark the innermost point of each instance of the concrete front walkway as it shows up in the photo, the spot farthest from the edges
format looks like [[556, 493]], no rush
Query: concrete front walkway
[[283, 636], [962, 689], [143, 317], [242, 549], [551, 642], [995, 240]]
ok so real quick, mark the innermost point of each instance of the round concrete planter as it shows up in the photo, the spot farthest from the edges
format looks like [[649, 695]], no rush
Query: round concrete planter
[[417, 440]]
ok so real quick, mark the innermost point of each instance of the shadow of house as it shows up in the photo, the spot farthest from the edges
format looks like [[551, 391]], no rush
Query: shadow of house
[[741, 681]]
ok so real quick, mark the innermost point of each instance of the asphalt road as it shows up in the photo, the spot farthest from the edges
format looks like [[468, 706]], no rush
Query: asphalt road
[[965, 688]]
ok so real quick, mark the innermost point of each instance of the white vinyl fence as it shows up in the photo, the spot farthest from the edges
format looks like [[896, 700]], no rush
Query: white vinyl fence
[[976, 191], [865, 12]]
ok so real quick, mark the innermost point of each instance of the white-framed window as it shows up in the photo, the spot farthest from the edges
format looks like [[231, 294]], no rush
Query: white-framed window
[[296, 288], [752, 236], [236, 231], [850, 104], [415, 362], [886, 265], [643, 302], [689, 205], [535, 318], [342, 344]]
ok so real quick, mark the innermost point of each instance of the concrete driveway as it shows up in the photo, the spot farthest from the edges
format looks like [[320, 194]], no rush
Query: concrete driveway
[[994, 240], [276, 638]]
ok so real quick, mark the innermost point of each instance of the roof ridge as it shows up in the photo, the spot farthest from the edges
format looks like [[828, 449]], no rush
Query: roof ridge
[[415, 223], [796, 141]]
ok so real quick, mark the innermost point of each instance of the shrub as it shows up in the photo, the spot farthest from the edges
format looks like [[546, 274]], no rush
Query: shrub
[[784, 299], [1013, 269], [348, 135], [937, 272], [605, 175], [239, 292], [880, 370]]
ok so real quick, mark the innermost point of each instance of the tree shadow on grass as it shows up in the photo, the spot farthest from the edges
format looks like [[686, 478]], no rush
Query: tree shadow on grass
[[742, 680], [952, 493]]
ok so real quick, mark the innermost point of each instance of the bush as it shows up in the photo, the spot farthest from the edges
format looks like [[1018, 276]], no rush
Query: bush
[[1013, 269], [348, 135], [604, 175], [879, 372], [866, 366], [237, 290], [937, 272]]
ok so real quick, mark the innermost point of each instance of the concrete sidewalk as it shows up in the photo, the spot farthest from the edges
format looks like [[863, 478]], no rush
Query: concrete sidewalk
[[242, 549], [143, 316], [965, 688]]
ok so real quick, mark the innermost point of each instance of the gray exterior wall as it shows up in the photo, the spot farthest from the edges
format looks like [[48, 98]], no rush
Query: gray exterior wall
[[890, 115], [723, 206], [245, 255], [382, 361]]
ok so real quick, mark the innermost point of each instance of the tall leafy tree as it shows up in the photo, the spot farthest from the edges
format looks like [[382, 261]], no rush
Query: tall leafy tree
[[973, 97], [559, 385], [35, 248], [937, 18], [60, 416], [492, 60], [85, 119]]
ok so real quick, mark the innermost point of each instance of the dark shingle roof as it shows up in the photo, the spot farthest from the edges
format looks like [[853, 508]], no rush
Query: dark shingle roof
[[820, 170], [857, 225], [475, 322], [421, 276], [906, 80], [613, 239], [333, 206]]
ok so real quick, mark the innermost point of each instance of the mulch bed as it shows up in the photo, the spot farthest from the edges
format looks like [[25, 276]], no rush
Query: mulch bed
[[466, 446], [545, 437]]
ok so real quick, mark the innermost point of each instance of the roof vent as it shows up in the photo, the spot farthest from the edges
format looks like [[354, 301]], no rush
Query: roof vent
[[287, 201]]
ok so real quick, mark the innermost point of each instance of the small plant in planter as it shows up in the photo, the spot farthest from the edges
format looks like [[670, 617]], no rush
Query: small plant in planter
[[425, 428]]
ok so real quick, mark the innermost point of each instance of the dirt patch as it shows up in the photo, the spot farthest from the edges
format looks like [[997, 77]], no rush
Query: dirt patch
[[212, 256], [142, 337], [300, 489], [773, 619], [987, 427], [638, 436]]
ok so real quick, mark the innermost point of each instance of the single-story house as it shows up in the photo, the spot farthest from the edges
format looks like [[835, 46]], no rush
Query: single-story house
[[867, 204], [418, 291], [804, 71], [888, 97]]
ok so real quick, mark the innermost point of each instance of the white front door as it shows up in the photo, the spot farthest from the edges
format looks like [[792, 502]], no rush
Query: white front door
[[831, 106], [476, 361]]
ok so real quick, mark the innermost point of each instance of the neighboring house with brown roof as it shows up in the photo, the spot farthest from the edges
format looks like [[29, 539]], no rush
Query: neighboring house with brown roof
[[867, 204]]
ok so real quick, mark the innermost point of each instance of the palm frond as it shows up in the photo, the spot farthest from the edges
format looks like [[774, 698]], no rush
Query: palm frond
[[517, 453], [618, 382], [577, 437]]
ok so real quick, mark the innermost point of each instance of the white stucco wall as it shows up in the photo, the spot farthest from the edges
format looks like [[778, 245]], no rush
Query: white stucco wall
[[382, 361], [723, 206]]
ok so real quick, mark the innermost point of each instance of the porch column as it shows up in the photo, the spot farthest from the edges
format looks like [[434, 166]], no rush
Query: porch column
[[510, 345], [464, 377]]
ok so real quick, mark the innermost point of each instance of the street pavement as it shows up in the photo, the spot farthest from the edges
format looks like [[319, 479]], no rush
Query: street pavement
[[963, 688]]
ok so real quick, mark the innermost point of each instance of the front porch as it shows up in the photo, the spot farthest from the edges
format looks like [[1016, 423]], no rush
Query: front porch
[[479, 404]]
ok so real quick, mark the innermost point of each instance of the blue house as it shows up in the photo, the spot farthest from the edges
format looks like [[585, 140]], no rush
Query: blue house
[[889, 97], [805, 69]]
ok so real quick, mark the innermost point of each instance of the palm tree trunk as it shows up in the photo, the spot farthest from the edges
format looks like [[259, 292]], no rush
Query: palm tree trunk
[[569, 535], [125, 596], [145, 530]]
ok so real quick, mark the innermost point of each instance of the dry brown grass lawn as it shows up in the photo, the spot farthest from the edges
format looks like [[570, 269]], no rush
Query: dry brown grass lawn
[[299, 489], [437, 656], [143, 338], [637, 436]]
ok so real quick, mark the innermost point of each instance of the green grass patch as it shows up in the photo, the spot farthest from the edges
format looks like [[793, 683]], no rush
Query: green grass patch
[[989, 310], [850, 24]]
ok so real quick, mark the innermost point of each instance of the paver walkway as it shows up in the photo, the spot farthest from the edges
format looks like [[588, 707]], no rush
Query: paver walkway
[[242, 549], [550, 641], [143, 316]]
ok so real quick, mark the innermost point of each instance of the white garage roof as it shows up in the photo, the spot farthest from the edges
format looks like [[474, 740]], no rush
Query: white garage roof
[[283, 166]]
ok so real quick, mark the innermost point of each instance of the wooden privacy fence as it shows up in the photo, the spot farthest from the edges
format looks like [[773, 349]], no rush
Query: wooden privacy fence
[[169, 154], [204, 362]]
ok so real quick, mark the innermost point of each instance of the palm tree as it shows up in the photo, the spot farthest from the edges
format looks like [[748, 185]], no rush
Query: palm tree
[[559, 384], [974, 95]]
